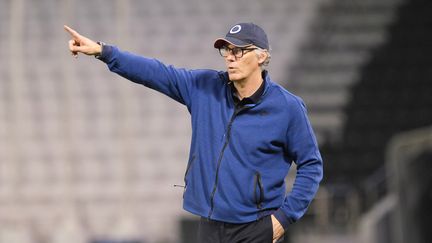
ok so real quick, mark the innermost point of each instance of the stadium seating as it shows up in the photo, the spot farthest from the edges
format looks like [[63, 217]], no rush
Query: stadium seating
[[84, 152], [81, 150], [392, 95], [340, 42]]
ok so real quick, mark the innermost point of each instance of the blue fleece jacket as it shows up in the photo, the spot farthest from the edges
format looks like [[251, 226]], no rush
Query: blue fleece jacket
[[238, 158]]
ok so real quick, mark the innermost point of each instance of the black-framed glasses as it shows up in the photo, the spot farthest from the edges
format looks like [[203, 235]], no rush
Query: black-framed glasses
[[238, 52]]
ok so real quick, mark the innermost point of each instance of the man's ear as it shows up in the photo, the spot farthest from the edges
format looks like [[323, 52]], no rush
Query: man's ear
[[262, 56]]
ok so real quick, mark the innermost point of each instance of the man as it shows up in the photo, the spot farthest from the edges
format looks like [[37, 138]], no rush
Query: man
[[246, 132]]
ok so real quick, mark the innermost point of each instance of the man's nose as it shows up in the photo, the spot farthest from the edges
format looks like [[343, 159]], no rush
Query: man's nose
[[230, 57]]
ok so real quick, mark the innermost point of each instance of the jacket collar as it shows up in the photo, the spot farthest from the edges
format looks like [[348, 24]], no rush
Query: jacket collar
[[255, 97]]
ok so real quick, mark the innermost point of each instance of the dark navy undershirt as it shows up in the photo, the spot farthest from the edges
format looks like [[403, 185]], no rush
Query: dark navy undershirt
[[253, 99]]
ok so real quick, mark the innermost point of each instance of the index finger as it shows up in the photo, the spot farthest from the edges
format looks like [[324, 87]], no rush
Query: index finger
[[72, 32]]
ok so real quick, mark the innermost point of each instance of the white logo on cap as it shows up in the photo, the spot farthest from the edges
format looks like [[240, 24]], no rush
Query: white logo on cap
[[235, 29]]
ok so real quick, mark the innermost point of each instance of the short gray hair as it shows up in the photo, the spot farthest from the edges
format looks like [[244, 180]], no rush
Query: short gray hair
[[266, 62]]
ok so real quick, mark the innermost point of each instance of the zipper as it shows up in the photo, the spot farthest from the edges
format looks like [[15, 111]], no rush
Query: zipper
[[227, 138], [258, 185]]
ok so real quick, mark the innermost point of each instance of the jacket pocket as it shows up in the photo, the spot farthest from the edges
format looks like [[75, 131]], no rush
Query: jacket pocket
[[189, 165], [258, 190]]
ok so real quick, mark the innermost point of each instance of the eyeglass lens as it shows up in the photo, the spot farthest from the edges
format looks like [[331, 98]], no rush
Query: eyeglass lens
[[236, 51]]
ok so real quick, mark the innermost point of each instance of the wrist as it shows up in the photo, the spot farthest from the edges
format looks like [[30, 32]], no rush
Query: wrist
[[99, 49], [282, 218]]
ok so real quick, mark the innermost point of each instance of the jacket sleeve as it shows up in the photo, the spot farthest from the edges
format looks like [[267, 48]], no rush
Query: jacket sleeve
[[302, 148], [173, 82]]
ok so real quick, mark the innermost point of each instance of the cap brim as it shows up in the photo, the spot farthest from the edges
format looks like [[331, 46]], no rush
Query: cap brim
[[233, 41]]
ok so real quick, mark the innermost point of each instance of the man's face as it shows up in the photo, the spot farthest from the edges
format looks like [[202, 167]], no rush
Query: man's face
[[241, 68]]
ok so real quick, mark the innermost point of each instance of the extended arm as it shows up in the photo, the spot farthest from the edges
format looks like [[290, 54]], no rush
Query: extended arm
[[175, 82]]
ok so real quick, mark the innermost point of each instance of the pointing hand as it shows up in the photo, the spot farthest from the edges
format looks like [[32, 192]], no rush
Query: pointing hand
[[82, 44]]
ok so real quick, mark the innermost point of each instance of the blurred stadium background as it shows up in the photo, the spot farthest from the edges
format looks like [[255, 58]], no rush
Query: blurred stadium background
[[87, 157]]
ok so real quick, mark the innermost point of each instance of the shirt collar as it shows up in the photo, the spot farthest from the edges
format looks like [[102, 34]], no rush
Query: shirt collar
[[253, 99]]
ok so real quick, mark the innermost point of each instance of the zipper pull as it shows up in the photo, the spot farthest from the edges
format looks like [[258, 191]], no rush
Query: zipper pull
[[176, 185]]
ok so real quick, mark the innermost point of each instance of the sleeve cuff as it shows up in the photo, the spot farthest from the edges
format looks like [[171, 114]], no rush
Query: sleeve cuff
[[105, 53], [282, 218]]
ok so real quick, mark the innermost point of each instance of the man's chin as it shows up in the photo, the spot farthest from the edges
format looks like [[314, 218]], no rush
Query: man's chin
[[233, 77]]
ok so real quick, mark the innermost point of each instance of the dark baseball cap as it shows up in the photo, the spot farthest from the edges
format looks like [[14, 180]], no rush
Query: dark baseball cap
[[244, 34]]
